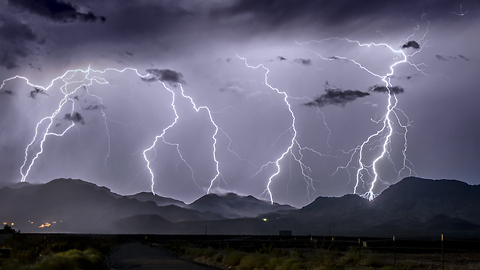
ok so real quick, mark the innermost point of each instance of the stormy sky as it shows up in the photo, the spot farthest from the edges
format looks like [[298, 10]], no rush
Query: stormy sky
[[333, 84]]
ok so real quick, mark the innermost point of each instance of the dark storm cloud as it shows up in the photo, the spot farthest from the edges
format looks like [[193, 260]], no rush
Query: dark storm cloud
[[411, 44], [446, 58], [74, 117], [383, 89], [33, 94], [463, 57], [337, 97], [165, 75], [281, 58], [94, 107], [15, 40], [276, 13], [440, 57], [59, 11], [7, 92], [305, 62]]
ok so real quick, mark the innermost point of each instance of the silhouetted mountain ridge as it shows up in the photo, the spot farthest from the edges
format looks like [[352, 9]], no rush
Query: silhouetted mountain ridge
[[413, 207], [80, 207], [160, 201], [231, 205]]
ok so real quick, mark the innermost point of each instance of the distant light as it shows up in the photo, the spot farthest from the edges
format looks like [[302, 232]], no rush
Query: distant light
[[13, 224], [54, 222], [264, 219], [45, 225], [5, 223]]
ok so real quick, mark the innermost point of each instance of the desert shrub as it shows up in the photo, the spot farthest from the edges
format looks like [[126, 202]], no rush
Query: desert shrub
[[72, 259], [209, 252], [274, 263], [233, 258], [194, 252], [370, 259], [389, 268], [292, 264], [253, 260], [351, 257], [218, 257]]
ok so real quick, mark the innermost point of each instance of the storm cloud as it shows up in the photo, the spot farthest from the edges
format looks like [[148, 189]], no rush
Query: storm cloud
[[55, 10], [337, 97], [411, 44], [94, 107], [305, 62], [6, 92], [74, 117], [165, 75], [16, 40], [33, 94], [277, 13], [42, 39], [383, 89]]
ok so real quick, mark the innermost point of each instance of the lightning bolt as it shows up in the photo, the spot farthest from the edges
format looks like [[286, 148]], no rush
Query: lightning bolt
[[67, 79], [87, 78], [214, 138], [384, 134], [297, 155]]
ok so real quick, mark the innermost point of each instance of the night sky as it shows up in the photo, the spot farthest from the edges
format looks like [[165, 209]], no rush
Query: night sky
[[220, 53]]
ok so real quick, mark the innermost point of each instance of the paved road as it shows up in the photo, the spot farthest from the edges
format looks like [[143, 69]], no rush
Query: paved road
[[137, 256]]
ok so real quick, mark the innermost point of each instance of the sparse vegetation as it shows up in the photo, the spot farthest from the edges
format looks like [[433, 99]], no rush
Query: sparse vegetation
[[270, 258], [39, 252]]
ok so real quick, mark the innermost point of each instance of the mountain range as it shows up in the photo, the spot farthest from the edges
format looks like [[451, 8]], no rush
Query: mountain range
[[413, 207]]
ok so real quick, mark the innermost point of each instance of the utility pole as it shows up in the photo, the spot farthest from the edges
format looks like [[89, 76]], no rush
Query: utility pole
[[443, 256], [394, 252]]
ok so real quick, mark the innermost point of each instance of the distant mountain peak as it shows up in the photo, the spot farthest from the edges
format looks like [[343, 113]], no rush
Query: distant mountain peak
[[232, 205]]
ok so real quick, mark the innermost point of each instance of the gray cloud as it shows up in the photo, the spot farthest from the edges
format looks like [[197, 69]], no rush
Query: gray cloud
[[383, 89], [94, 107], [281, 58], [33, 94], [337, 97], [277, 13], [305, 62], [74, 117], [463, 57], [440, 57], [411, 44], [165, 75], [446, 58], [15, 40], [59, 11], [6, 92]]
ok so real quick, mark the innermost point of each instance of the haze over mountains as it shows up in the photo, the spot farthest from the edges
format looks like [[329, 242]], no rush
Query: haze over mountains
[[413, 207]]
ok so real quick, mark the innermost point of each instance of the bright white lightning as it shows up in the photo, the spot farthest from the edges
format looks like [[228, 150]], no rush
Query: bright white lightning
[[305, 170], [214, 137], [387, 123], [65, 78], [88, 79]]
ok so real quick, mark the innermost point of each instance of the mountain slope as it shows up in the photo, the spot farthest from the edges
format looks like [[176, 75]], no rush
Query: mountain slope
[[413, 207], [76, 206], [231, 205], [158, 200]]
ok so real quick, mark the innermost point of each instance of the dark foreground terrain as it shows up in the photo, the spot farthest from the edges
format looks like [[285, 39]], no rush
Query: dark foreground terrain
[[138, 256], [84, 251]]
